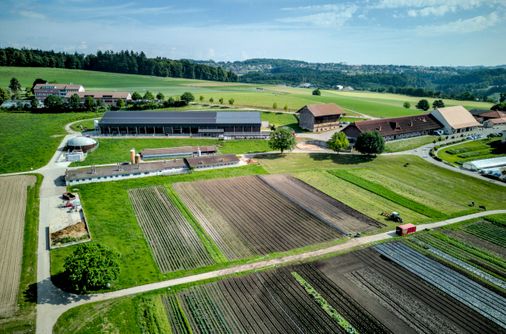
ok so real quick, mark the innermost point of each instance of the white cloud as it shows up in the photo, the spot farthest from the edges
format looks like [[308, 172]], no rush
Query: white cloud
[[436, 7], [474, 24], [322, 15], [31, 14]]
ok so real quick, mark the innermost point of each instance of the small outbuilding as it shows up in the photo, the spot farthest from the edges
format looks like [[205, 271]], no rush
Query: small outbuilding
[[320, 117], [405, 229], [476, 165], [81, 143]]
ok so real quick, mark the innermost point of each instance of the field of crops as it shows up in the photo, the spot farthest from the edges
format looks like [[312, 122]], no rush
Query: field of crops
[[13, 196], [473, 150], [488, 231], [173, 241], [463, 289], [260, 215]]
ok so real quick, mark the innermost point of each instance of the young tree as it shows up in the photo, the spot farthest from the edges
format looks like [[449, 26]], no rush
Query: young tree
[[407, 105], [423, 105], [285, 108], [160, 96], [120, 104], [231, 101], [187, 97], [91, 266], [89, 103], [4, 95], [171, 101], [211, 100], [338, 142], [317, 92], [74, 102], [220, 100], [136, 96], [34, 103], [274, 105], [438, 104], [370, 143], [282, 139], [14, 86], [53, 102], [148, 96], [201, 98]]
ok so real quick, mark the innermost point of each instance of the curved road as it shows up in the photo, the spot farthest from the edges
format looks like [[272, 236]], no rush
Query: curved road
[[52, 302]]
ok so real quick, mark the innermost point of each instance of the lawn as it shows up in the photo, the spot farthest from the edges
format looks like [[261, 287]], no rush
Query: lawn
[[408, 144], [473, 150], [245, 95], [112, 223], [112, 150], [28, 141], [87, 124]]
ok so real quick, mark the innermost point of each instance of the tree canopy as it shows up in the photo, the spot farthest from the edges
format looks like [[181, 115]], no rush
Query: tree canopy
[[187, 97], [370, 143], [407, 105], [282, 139], [14, 85], [53, 102], [438, 104], [423, 104], [4, 95], [338, 142], [317, 92], [91, 266], [148, 96], [160, 96], [136, 96]]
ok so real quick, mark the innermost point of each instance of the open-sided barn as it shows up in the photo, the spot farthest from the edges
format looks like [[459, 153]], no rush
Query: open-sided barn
[[191, 123], [320, 117]]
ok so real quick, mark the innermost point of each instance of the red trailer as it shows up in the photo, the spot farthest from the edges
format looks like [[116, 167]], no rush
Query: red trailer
[[405, 229]]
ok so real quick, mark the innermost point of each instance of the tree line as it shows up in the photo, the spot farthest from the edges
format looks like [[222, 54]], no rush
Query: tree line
[[119, 62]]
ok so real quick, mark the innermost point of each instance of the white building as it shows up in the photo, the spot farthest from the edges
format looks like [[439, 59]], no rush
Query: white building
[[455, 119], [485, 164]]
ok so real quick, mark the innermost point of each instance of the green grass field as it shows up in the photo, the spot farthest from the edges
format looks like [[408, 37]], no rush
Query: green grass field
[[118, 150], [473, 150], [408, 144], [28, 141], [245, 95]]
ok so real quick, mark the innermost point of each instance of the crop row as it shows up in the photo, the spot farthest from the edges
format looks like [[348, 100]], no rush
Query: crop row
[[245, 211], [488, 231], [388, 194], [458, 286], [175, 244]]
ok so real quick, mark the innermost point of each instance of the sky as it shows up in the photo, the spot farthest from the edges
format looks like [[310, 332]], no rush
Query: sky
[[410, 32]]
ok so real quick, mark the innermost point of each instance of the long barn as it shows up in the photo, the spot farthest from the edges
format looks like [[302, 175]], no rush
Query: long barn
[[188, 123]]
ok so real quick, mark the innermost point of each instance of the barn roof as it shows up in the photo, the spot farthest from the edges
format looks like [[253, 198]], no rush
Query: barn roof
[[106, 94], [399, 125], [56, 86], [177, 150], [180, 117], [493, 114], [458, 117], [324, 109], [211, 160]]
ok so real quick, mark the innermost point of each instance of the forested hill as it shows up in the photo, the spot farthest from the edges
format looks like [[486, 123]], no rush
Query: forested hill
[[470, 83], [119, 62]]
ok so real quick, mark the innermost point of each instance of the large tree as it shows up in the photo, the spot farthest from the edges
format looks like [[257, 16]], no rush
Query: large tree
[[282, 139], [91, 266], [423, 104], [74, 102], [370, 143], [148, 96], [438, 104], [136, 96], [4, 95], [160, 96], [53, 102], [89, 103], [14, 86], [338, 142], [317, 92], [187, 97]]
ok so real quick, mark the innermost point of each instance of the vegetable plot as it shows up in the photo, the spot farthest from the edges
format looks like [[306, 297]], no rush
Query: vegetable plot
[[173, 241]]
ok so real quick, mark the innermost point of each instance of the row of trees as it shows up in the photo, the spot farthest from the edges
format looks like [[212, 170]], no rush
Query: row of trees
[[119, 62], [423, 104]]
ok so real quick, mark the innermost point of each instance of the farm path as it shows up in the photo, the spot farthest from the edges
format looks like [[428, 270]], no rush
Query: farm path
[[57, 302]]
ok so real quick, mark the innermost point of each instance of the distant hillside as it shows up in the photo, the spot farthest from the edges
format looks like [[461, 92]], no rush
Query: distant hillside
[[119, 62], [467, 83]]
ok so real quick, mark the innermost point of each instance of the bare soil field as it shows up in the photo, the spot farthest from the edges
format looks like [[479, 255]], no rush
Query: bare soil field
[[173, 241], [260, 215], [13, 190]]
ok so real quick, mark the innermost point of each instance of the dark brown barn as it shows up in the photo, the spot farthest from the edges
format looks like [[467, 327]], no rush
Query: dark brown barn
[[210, 161], [320, 117]]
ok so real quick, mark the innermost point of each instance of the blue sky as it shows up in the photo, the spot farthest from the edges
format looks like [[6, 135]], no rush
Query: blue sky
[[413, 32]]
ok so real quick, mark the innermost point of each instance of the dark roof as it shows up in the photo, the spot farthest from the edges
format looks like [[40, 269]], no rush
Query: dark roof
[[493, 114], [324, 109], [211, 160], [178, 150], [181, 117], [399, 125], [111, 170], [478, 112]]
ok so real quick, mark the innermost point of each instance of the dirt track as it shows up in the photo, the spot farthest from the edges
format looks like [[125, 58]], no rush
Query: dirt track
[[13, 190]]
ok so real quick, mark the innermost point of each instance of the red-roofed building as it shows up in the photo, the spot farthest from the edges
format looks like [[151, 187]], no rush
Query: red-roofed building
[[41, 91], [320, 117]]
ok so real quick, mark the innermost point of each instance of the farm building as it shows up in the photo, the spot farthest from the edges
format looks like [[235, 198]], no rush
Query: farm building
[[455, 119], [485, 163], [191, 123], [320, 117], [174, 152], [109, 98], [81, 143], [41, 91], [212, 161], [120, 171], [395, 128], [491, 118]]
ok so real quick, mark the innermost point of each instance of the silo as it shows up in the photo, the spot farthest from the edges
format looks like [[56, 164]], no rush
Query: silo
[[132, 156]]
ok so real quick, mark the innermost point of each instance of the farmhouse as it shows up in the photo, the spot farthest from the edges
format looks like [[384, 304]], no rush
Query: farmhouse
[[491, 118], [395, 128], [455, 119], [110, 98], [41, 91], [121, 171], [212, 161], [320, 117], [191, 123], [173, 152]]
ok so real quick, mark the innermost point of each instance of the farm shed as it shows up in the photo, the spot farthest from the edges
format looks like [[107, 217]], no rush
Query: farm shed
[[405, 229], [212, 161], [81, 143], [173, 152], [485, 163], [456, 119], [320, 117], [239, 124], [119, 171], [395, 128]]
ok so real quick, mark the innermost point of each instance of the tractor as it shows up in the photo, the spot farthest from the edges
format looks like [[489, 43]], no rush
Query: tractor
[[393, 216]]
